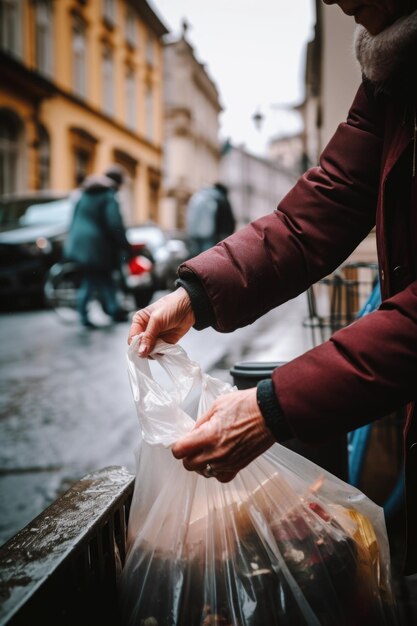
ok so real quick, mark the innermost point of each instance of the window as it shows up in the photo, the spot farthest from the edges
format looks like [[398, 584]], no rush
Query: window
[[150, 49], [127, 192], [44, 158], [130, 98], [82, 166], [10, 26], [153, 191], [149, 112], [43, 22], [10, 133], [130, 27], [79, 50], [83, 147], [109, 11], [108, 80]]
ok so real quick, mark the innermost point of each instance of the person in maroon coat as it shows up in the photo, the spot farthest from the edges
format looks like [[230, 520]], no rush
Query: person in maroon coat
[[366, 177]]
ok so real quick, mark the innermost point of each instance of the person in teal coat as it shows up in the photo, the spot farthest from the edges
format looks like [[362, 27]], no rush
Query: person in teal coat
[[97, 243]]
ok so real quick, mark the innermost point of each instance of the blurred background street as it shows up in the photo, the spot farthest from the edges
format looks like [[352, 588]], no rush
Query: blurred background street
[[180, 95]]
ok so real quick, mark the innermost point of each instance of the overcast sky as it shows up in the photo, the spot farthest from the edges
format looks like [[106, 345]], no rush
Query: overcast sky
[[254, 51]]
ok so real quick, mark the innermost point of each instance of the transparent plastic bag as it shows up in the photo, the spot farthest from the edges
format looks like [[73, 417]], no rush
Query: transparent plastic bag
[[283, 543]]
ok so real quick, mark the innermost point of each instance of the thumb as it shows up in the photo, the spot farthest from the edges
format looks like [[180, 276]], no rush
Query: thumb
[[194, 441]]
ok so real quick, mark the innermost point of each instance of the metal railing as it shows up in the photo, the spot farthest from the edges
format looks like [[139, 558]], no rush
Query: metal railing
[[62, 568], [336, 301]]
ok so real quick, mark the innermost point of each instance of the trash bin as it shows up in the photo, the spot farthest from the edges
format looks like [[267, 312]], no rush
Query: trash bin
[[331, 455]]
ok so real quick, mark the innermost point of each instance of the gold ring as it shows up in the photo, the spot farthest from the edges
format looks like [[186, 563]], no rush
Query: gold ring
[[208, 471]]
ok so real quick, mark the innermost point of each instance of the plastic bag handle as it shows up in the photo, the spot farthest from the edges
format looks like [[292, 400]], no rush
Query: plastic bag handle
[[161, 412], [182, 371]]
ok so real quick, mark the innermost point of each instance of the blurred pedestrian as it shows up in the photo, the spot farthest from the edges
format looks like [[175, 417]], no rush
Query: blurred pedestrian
[[97, 243], [209, 217], [225, 222], [366, 177]]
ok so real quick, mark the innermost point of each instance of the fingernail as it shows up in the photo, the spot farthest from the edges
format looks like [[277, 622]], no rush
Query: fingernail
[[142, 349]]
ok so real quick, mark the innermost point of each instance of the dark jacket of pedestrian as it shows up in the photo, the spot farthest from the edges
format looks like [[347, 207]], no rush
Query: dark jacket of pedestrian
[[97, 238], [209, 217], [366, 178], [225, 222]]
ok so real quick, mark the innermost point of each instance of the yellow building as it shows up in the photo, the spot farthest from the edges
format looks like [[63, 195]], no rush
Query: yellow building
[[80, 88]]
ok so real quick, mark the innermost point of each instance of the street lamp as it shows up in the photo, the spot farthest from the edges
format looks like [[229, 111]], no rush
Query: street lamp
[[258, 118]]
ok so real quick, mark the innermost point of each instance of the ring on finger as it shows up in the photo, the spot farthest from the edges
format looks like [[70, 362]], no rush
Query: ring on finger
[[209, 471]]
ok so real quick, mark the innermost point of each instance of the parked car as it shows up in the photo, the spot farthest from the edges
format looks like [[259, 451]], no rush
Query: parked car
[[33, 229], [168, 251]]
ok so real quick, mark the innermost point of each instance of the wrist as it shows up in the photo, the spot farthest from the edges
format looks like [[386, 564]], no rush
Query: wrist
[[271, 411], [184, 302], [200, 303]]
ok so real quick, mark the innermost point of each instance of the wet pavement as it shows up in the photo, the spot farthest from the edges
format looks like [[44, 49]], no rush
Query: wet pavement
[[66, 406]]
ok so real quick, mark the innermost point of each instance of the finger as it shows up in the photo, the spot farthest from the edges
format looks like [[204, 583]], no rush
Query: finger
[[206, 455], [192, 466], [138, 325], [191, 444], [149, 336], [225, 477], [203, 419], [216, 471]]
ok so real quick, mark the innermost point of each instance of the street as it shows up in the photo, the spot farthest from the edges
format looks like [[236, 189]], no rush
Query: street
[[66, 406]]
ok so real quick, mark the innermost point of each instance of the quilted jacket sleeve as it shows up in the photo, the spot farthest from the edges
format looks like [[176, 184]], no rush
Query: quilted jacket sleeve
[[363, 372], [315, 227]]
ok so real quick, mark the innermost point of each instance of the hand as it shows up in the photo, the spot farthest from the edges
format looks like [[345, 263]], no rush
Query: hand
[[169, 318], [228, 437]]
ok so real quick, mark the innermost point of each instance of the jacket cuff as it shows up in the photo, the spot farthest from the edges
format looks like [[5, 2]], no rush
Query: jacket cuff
[[271, 410], [200, 303]]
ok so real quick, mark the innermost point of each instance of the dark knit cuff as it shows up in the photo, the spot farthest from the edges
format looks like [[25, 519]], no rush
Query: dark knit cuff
[[272, 411], [200, 303]]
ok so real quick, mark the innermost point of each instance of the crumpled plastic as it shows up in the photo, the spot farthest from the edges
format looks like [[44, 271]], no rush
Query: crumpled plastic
[[283, 543]]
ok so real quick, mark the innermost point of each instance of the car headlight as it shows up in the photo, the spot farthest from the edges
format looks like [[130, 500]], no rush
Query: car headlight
[[44, 245], [41, 246]]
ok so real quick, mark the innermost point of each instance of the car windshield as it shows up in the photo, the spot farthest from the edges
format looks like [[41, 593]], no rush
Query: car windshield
[[55, 212], [153, 237]]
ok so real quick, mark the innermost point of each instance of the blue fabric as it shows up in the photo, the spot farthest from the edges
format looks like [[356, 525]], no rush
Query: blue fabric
[[102, 285]]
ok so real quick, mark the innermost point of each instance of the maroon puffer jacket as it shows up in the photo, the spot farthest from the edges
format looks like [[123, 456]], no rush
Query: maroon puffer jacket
[[369, 368]]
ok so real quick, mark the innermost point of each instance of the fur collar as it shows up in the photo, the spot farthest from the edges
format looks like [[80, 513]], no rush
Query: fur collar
[[381, 55]]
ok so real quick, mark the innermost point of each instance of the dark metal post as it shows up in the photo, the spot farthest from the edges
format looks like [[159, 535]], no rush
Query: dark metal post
[[62, 568]]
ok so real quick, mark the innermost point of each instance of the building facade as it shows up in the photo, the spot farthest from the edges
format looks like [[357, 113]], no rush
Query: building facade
[[256, 185], [332, 78], [80, 88], [191, 144], [286, 151]]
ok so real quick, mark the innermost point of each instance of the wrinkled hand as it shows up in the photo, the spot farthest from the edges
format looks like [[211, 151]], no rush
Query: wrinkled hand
[[228, 437], [169, 318]]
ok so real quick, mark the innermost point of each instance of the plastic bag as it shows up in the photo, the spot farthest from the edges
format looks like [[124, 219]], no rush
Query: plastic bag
[[283, 543]]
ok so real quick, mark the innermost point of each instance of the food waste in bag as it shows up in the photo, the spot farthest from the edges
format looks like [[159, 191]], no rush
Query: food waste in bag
[[283, 543]]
